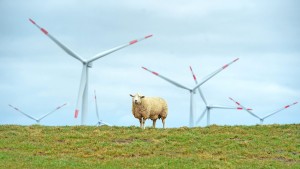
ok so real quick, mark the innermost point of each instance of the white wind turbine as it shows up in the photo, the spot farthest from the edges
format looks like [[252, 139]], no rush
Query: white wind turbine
[[100, 122], [192, 90], [40, 118], [83, 88], [209, 107], [271, 114]]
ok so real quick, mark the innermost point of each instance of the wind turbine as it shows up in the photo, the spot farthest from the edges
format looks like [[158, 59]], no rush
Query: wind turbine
[[277, 111], [271, 114], [209, 107], [83, 87], [40, 118], [191, 90], [100, 122]]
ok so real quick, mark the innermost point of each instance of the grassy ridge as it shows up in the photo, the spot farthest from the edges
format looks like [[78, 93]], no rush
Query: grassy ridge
[[267, 146]]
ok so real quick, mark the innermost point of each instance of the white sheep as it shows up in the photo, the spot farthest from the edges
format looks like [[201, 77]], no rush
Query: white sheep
[[149, 107]]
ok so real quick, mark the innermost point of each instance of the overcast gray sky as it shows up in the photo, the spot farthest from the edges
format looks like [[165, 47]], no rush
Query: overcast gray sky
[[37, 76]]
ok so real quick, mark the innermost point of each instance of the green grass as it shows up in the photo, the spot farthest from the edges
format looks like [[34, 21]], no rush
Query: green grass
[[266, 146]]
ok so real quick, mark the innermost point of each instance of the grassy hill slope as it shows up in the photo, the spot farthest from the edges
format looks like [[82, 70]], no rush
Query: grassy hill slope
[[266, 146]]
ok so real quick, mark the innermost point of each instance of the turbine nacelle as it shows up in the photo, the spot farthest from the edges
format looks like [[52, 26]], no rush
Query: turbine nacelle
[[90, 64]]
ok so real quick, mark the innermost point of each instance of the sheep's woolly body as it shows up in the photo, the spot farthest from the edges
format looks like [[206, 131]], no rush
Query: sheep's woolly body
[[150, 107]]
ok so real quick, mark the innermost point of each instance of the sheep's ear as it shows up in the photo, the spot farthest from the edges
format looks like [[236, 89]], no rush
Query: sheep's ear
[[142, 96], [131, 95]]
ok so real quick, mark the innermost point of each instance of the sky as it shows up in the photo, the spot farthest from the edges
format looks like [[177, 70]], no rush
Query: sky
[[37, 75]]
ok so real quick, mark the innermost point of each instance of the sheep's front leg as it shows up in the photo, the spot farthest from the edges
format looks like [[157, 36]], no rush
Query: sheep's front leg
[[154, 123], [143, 122]]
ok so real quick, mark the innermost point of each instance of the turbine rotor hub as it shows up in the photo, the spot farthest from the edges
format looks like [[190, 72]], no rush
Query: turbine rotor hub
[[90, 64]]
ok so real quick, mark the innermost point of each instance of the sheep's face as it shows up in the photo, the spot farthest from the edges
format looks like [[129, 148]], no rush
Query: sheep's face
[[137, 99]]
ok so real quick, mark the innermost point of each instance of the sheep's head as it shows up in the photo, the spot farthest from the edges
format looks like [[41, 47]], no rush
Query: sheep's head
[[137, 98]]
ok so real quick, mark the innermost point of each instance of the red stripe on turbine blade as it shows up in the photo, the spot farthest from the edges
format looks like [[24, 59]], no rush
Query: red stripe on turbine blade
[[225, 66], [148, 36], [240, 108], [144, 68], [76, 113], [287, 106], [133, 42], [44, 31], [31, 21], [193, 73], [155, 73]]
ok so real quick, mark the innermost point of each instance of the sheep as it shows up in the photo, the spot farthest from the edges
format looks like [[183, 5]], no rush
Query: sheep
[[149, 107]]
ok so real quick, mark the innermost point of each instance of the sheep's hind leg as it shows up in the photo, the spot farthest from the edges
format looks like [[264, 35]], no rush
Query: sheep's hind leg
[[163, 121], [154, 123]]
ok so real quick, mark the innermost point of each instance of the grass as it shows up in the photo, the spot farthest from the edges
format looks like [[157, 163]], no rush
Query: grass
[[266, 146]]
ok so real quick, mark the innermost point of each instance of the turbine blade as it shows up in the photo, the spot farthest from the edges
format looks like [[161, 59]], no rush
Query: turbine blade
[[81, 89], [279, 110], [100, 55], [96, 106], [221, 107], [199, 90], [226, 107], [201, 117], [214, 73], [57, 108], [245, 108], [70, 52], [167, 79], [101, 122], [18, 110]]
